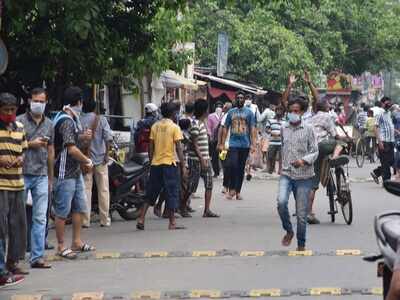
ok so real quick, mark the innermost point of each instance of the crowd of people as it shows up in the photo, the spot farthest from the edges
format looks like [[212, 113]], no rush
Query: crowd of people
[[57, 160]]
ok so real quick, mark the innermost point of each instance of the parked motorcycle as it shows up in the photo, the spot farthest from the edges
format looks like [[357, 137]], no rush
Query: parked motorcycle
[[124, 180], [387, 231]]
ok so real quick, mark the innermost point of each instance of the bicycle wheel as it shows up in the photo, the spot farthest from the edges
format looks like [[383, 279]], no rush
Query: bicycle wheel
[[360, 152], [344, 196], [331, 194]]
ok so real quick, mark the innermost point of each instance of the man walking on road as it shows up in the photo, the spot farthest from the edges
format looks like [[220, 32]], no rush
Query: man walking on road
[[97, 149], [165, 144], [12, 203], [38, 171], [69, 188], [385, 135], [243, 136], [299, 152]]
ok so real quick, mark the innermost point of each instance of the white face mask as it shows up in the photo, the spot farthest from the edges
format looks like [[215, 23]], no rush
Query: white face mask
[[218, 111], [247, 103], [37, 108]]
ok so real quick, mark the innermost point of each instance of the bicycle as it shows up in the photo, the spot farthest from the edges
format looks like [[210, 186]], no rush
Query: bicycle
[[338, 191], [361, 151]]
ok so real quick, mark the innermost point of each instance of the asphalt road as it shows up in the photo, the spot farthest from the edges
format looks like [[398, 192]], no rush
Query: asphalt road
[[244, 227]]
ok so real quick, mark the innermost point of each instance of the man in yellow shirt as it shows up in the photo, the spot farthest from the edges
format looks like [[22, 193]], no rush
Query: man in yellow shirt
[[165, 144]]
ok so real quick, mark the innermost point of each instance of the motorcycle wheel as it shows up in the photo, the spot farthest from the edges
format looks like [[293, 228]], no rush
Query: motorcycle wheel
[[127, 211]]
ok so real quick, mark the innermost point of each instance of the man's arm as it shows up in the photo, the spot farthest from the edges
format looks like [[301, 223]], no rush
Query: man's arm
[[151, 150], [313, 89], [312, 156], [224, 133], [74, 151], [285, 97]]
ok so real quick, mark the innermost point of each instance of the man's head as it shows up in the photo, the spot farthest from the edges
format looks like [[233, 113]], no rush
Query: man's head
[[366, 108], [201, 109], [227, 107], [240, 99], [8, 108], [150, 109], [370, 113], [378, 104], [189, 108], [322, 105], [89, 106], [37, 103], [386, 103], [168, 110], [73, 97], [279, 112], [297, 106]]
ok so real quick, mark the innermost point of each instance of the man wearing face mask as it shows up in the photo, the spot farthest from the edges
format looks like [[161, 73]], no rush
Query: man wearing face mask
[[385, 135], [38, 171], [299, 152], [69, 187], [213, 122]]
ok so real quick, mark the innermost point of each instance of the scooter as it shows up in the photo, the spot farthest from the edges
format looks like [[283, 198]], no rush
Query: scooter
[[387, 231]]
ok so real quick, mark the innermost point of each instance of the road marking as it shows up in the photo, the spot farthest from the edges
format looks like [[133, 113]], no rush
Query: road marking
[[26, 297], [155, 254], [265, 293], [88, 296], [204, 253], [147, 295], [212, 294], [205, 294], [349, 252], [252, 253], [107, 255], [325, 291], [300, 253]]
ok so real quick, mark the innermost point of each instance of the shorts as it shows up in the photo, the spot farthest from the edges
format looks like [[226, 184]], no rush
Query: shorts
[[164, 178], [325, 148], [274, 152], [69, 197], [195, 172]]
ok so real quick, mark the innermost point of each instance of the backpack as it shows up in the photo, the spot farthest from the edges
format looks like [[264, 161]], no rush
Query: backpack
[[143, 140]]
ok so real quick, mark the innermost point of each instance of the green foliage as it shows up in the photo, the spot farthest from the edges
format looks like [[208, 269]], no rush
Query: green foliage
[[268, 39]]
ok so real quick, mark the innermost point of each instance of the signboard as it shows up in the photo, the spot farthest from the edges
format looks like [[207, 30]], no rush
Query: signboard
[[338, 83], [222, 56]]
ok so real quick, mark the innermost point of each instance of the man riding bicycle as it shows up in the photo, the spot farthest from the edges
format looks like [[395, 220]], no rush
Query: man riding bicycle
[[329, 143]]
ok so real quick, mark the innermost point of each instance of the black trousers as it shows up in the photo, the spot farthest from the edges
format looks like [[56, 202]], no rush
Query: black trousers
[[214, 157], [386, 157], [237, 162], [226, 172]]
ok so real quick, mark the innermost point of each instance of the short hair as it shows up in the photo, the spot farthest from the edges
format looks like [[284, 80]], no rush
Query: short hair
[[240, 93], [38, 91], [184, 124], [370, 113], [200, 107], [385, 98], [168, 109], [89, 105], [300, 100], [321, 105], [189, 107], [378, 103], [72, 96], [7, 99]]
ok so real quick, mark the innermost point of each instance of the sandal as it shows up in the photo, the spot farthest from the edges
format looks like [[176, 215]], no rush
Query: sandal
[[184, 213], [85, 248], [67, 253], [176, 227], [287, 239], [40, 264], [139, 226], [210, 214]]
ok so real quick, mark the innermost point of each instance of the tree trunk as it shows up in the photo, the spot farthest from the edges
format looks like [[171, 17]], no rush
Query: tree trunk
[[141, 94]]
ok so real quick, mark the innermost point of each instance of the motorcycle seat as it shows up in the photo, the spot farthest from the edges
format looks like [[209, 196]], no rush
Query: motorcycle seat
[[131, 168], [391, 230], [140, 158]]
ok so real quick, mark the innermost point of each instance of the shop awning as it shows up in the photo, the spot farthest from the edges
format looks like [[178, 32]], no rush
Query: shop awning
[[232, 83], [170, 79]]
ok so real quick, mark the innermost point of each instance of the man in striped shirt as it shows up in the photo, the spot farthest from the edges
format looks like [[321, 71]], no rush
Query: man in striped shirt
[[199, 160], [12, 202], [273, 128]]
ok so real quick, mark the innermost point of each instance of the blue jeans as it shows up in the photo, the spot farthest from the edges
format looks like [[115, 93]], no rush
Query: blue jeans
[[39, 188], [301, 189]]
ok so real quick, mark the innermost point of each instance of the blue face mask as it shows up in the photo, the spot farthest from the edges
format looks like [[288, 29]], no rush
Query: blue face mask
[[293, 118]]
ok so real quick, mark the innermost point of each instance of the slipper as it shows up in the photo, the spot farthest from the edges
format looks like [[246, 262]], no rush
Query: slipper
[[40, 264], [85, 248], [67, 254], [140, 226], [176, 227], [239, 198], [287, 239], [210, 214]]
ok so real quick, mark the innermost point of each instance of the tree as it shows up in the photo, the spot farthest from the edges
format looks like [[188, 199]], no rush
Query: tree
[[78, 42]]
